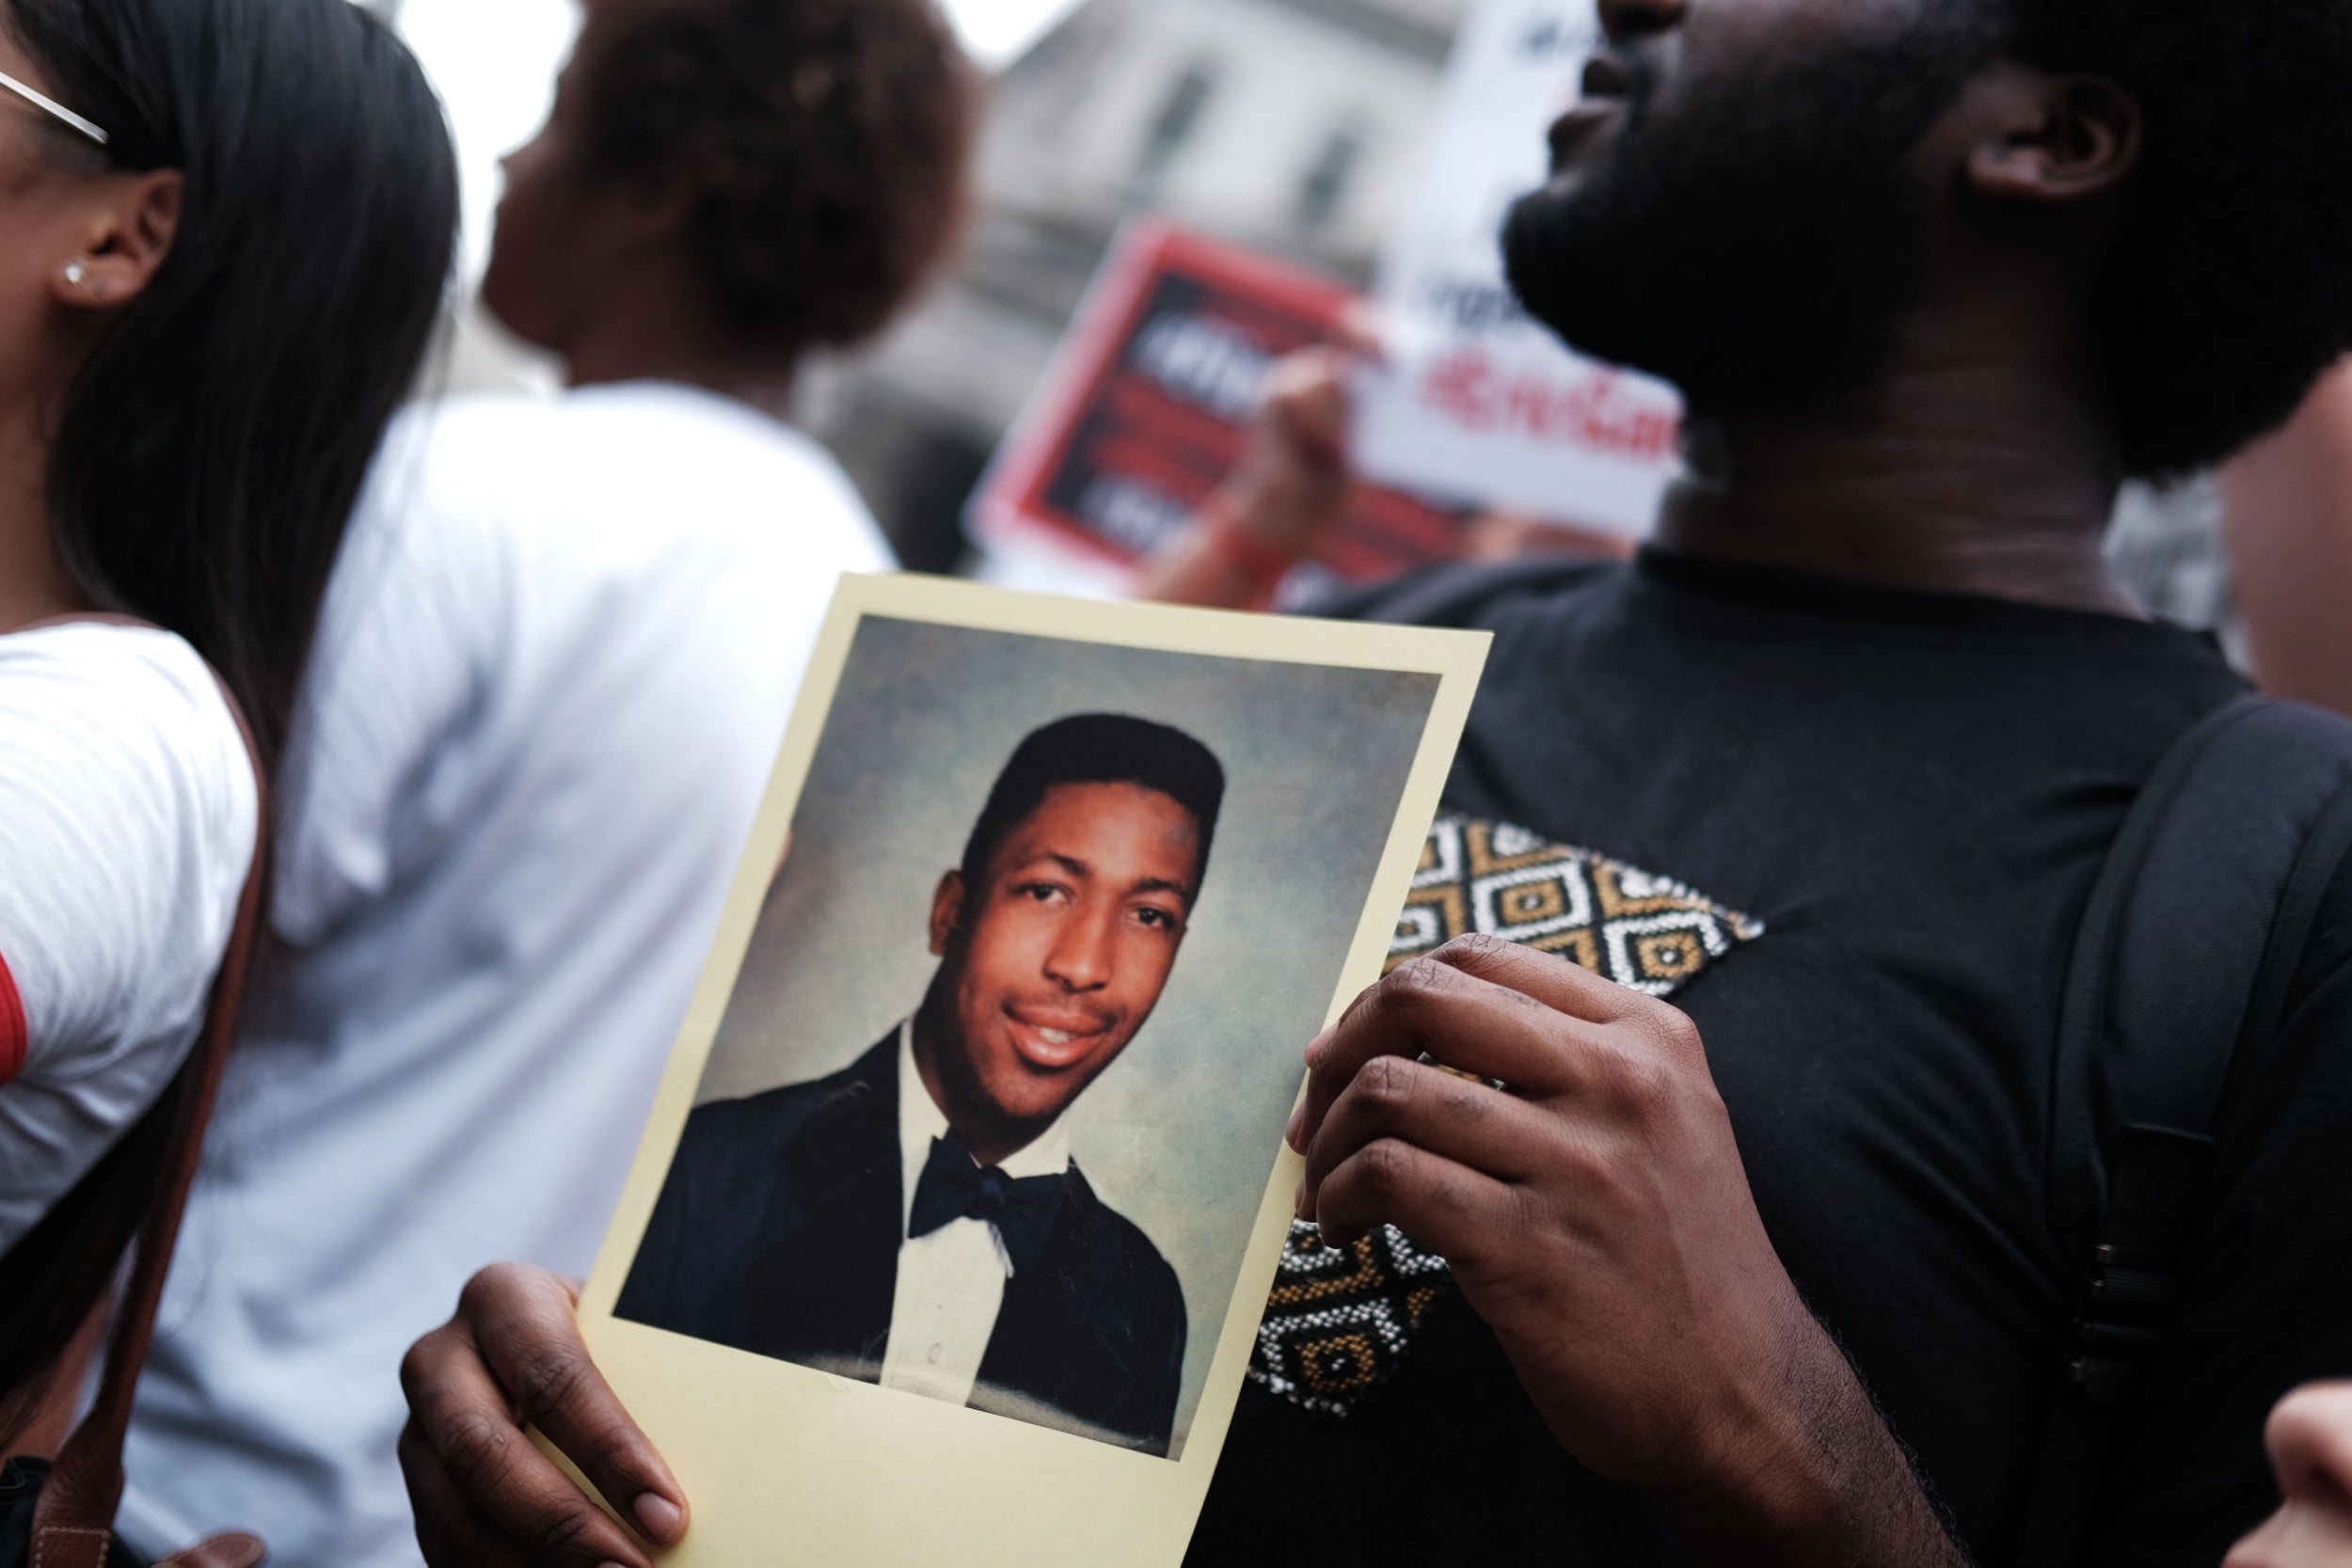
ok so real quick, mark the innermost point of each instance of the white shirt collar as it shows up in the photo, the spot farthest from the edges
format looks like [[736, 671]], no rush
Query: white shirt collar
[[920, 1120]]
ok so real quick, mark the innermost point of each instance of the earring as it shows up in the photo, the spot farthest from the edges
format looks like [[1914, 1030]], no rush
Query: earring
[[77, 274]]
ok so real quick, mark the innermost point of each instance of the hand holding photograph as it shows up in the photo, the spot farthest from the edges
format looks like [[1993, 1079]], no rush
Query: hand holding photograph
[[961, 1203]]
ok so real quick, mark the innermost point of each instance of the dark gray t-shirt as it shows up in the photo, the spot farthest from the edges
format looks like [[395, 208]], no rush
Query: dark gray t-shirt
[[1914, 794]]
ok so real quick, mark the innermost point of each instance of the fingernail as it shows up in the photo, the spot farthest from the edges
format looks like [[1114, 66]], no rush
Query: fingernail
[[659, 1515], [1297, 1126], [1298, 1201], [1315, 1049]]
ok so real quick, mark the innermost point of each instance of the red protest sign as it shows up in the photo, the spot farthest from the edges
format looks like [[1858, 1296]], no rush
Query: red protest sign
[[1148, 405]]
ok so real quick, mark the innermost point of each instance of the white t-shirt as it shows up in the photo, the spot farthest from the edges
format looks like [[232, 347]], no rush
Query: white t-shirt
[[127, 816], [556, 665]]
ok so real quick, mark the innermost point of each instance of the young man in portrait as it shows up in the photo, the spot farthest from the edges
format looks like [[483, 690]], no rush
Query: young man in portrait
[[916, 1219]]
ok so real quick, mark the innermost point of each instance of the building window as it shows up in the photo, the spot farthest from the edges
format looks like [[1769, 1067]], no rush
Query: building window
[[1324, 189], [1179, 121]]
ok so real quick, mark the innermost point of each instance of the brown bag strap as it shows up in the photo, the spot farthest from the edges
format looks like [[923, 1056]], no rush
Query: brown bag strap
[[73, 1522]]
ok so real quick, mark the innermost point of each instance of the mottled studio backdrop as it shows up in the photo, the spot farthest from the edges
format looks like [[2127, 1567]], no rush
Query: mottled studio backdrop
[[1181, 1133]]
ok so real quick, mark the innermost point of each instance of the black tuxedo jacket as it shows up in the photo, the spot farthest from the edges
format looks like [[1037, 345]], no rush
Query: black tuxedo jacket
[[778, 1231]]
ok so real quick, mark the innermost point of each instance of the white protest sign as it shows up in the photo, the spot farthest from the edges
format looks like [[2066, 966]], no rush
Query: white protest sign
[[1478, 404]]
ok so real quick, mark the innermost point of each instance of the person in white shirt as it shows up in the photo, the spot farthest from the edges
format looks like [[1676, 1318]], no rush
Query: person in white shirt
[[556, 665], [186, 229]]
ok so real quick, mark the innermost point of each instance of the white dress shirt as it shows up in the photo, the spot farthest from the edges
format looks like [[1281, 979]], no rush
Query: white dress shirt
[[951, 1282]]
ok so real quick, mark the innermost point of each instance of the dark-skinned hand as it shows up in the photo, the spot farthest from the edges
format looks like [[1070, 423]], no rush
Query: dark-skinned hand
[[1292, 483], [485, 1496], [1596, 1215]]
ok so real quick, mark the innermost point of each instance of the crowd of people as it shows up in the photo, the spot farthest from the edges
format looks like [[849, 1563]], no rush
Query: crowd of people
[[455, 717]]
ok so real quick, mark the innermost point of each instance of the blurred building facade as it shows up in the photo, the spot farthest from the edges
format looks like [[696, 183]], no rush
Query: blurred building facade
[[1290, 125]]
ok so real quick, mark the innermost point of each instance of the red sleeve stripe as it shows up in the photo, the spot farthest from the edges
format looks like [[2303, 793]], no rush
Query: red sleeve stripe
[[16, 1043]]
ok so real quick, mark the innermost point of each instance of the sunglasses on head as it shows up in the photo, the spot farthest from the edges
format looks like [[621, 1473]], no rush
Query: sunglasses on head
[[41, 100]]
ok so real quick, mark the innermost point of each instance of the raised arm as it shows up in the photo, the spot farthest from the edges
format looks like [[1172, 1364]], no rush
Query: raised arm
[[1290, 488]]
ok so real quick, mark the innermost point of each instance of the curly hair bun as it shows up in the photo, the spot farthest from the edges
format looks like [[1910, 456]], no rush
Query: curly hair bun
[[827, 143]]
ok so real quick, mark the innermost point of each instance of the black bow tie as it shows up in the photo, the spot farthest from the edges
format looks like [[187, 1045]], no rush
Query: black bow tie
[[952, 1188]]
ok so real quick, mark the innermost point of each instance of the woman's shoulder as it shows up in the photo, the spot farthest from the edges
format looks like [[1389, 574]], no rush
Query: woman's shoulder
[[99, 647], [128, 814], [119, 741], [97, 691]]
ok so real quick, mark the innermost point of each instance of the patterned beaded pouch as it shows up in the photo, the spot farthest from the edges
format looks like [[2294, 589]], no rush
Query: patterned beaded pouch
[[1341, 1320]]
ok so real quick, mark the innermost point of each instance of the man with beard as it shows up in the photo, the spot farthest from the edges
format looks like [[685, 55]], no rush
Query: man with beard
[[1935, 275]]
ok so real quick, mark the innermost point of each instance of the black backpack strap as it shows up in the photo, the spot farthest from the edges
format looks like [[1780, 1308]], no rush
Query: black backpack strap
[[2185, 961]]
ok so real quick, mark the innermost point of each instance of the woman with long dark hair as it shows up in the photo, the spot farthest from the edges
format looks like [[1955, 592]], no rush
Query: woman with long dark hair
[[225, 231]]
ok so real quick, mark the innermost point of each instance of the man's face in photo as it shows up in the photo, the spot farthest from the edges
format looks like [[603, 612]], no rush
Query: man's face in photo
[[1055, 959]]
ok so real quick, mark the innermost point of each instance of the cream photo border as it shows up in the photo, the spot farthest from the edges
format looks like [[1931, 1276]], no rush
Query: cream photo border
[[783, 1464]]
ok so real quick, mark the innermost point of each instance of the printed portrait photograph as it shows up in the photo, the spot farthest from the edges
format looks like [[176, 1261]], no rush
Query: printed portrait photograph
[[993, 1103]]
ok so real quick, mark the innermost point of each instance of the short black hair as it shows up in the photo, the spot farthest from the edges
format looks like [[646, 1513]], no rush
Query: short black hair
[[1098, 747], [2228, 287], [828, 141]]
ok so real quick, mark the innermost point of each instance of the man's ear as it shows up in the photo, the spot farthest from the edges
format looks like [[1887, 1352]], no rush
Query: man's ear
[[2060, 139], [135, 220], [946, 911]]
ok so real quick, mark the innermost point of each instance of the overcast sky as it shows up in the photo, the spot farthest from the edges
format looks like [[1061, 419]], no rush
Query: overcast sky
[[495, 62]]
